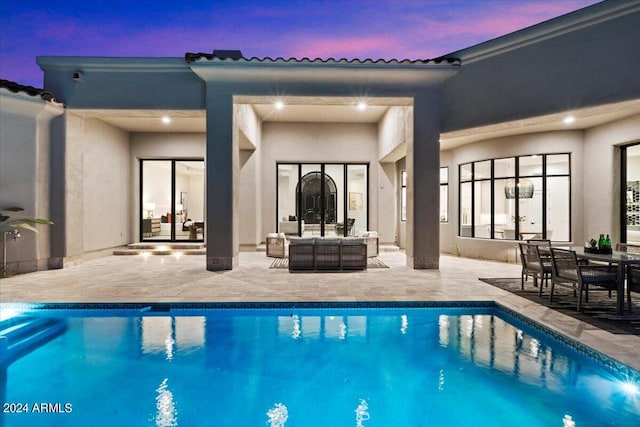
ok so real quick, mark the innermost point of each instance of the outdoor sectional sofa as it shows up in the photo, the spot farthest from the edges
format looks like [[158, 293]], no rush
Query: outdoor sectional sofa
[[332, 254]]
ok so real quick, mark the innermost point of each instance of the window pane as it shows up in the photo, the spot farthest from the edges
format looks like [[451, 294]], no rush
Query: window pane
[[504, 209], [333, 198], [483, 209], [531, 210], [403, 203], [403, 197], [444, 200], [557, 164], [465, 172], [531, 166], [558, 208], [357, 192], [444, 175], [465, 209], [189, 197], [505, 168], [287, 213], [483, 170], [156, 199]]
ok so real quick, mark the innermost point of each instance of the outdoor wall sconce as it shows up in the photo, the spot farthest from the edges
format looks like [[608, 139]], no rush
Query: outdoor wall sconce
[[525, 189]]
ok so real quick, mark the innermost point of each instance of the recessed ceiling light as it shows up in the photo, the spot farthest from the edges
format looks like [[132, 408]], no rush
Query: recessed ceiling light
[[362, 105], [166, 120], [279, 105], [569, 119]]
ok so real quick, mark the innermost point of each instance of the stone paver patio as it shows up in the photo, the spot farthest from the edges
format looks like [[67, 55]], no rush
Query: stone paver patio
[[185, 279]]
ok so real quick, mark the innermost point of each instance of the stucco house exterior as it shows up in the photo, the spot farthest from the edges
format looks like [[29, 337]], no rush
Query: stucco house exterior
[[528, 135]]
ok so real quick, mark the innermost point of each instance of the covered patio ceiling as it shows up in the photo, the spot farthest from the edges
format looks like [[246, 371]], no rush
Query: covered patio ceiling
[[346, 110]]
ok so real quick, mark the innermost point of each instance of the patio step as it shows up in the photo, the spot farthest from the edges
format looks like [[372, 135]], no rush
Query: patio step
[[150, 248]]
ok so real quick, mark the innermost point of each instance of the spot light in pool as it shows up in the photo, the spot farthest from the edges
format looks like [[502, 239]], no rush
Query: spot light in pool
[[630, 388], [145, 254], [178, 255]]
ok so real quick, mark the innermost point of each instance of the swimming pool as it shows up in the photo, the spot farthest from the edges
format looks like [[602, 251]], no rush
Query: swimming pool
[[308, 365]]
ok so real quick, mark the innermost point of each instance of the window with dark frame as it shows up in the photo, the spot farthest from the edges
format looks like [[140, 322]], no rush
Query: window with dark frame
[[516, 198], [444, 194]]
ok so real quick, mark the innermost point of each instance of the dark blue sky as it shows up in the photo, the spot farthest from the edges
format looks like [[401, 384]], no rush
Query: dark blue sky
[[413, 29]]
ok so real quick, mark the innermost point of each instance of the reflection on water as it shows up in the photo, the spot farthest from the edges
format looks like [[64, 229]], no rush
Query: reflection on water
[[278, 415], [316, 327], [362, 413], [165, 335], [486, 340], [166, 411]]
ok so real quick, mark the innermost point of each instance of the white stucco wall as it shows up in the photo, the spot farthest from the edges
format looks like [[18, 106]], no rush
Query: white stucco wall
[[395, 129], [540, 143], [249, 128], [106, 186], [150, 145], [25, 141], [602, 200], [327, 142]]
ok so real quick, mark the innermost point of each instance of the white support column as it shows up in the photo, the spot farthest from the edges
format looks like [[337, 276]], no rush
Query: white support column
[[423, 190], [221, 226]]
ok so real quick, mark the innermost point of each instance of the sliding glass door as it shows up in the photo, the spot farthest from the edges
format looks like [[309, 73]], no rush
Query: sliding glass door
[[172, 200], [314, 199]]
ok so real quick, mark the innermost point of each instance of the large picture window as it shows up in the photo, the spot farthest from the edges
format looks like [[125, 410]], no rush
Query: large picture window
[[516, 198]]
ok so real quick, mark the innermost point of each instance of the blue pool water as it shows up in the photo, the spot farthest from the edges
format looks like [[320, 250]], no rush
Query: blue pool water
[[385, 366]]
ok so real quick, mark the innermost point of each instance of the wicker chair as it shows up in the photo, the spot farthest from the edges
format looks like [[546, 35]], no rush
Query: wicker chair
[[567, 271], [534, 265]]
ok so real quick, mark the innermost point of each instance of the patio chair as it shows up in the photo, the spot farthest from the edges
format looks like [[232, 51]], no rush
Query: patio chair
[[567, 271], [340, 227], [534, 265]]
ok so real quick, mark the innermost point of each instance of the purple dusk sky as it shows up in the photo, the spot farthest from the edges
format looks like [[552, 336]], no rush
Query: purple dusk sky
[[387, 29]]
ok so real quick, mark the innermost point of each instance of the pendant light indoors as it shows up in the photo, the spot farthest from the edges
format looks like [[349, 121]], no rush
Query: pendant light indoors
[[525, 188]]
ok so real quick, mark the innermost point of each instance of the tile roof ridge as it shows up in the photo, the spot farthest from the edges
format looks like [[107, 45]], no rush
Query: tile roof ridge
[[14, 87], [237, 56]]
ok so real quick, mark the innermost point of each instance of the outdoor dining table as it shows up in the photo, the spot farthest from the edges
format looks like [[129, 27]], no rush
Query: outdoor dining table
[[621, 259]]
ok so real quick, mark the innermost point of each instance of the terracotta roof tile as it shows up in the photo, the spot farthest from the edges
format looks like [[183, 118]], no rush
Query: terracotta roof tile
[[236, 55], [29, 90]]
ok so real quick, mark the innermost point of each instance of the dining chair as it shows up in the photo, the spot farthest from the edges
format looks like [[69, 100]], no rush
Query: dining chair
[[534, 266], [567, 271]]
